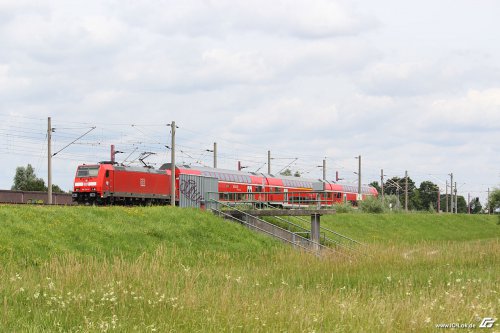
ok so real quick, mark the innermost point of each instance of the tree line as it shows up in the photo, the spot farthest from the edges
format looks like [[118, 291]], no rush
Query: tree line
[[425, 197], [25, 179]]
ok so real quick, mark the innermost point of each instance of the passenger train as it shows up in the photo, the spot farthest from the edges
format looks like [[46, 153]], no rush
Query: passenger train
[[109, 183]]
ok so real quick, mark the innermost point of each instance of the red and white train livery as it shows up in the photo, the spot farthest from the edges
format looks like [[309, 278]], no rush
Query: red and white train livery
[[108, 183]]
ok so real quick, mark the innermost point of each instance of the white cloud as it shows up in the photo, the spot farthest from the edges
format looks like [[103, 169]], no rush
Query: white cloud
[[9, 82], [292, 115], [104, 30], [238, 66], [298, 18], [480, 109]]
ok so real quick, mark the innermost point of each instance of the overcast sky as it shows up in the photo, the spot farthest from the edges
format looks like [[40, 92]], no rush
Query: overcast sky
[[409, 85]]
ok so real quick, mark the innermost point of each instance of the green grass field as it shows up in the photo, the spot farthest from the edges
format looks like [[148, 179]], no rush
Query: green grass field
[[163, 269]]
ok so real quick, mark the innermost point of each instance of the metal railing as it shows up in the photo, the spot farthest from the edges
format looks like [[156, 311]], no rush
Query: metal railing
[[290, 200], [293, 200], [295, 235], [325, 230]]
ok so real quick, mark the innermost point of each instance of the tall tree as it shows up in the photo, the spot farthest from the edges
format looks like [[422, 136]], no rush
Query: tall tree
[[286, 172], [494, 201], [26, 180], [415, 200], [396, 186], [55, 189], [377, 186], [428, 195], [393, 187], [461, 204], [475, 206]]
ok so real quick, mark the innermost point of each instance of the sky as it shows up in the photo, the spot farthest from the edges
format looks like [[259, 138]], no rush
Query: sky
[[409, 86]]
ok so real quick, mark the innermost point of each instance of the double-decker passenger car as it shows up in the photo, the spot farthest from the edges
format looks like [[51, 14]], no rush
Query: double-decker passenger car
[[280, 190]]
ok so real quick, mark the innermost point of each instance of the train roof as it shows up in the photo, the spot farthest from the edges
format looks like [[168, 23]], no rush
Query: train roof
[[120, 167]]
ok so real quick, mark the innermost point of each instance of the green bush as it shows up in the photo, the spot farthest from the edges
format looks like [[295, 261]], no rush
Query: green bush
[[392, 204], [371, 205], [343, 208]]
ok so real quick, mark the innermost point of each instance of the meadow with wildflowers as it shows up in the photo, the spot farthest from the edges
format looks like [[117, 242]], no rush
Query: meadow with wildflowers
[[163, 269]]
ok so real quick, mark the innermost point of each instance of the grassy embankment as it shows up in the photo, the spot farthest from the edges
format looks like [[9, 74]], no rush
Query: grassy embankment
[[85, 269]]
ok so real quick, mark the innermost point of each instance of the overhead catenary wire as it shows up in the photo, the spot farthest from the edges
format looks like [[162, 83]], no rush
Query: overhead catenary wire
[[69, 144], [30, 135]]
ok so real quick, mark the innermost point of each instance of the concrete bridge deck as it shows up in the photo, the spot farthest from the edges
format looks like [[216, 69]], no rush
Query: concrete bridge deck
[[282, 212]]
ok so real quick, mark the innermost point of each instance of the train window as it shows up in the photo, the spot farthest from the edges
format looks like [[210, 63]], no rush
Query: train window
[[258, 189], [87, 171], [276, 189], [107, 173]]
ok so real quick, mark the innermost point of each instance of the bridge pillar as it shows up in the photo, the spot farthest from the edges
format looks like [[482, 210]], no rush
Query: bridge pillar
[[315, 228]]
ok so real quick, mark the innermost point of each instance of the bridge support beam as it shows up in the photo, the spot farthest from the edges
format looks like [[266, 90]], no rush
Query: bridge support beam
[[315, 230]]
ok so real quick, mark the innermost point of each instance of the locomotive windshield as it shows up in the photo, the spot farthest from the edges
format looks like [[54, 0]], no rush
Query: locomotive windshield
[[87, 171]]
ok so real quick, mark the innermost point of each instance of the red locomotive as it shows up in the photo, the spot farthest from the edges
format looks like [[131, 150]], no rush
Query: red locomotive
[[109, 183]]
